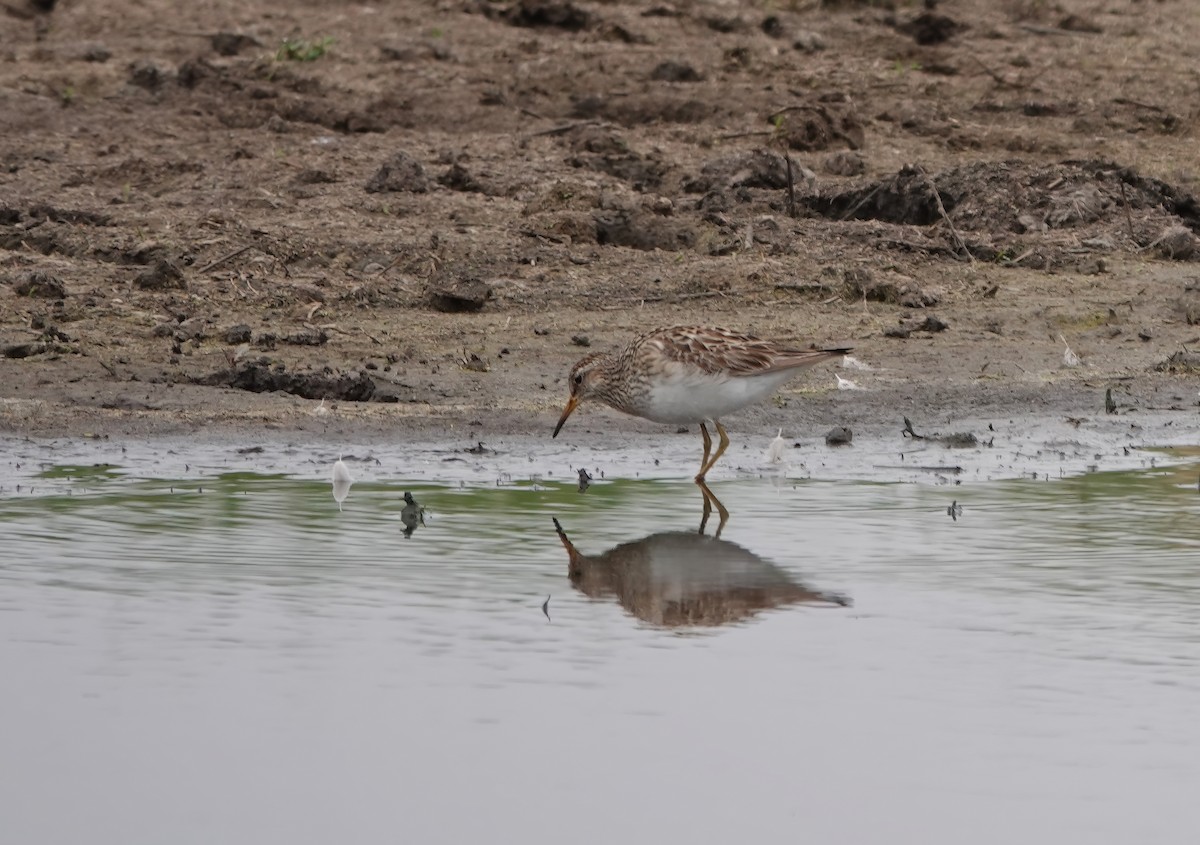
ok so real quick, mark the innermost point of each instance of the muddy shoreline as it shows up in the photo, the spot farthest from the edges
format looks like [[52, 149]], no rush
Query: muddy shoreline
[[407, 222]]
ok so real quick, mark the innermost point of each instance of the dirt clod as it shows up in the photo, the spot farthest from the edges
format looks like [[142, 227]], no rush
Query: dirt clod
[[551, 14], [40, 284], [24, 350], [232, 43], [839, 435], [459, 295], [1178, 243], [401, 172], [260, 377], [240, 333], [146, 74], [165, 275], [671, 71]]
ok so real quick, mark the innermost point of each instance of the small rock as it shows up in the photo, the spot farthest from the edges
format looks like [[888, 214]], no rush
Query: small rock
[[540, 331], [932, 324], [839, 435], [581, 340], [900, 332], [460, 295], [1145, 334], [240, 333]]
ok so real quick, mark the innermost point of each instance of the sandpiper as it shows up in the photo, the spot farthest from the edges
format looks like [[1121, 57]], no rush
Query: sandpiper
[[689, 374]]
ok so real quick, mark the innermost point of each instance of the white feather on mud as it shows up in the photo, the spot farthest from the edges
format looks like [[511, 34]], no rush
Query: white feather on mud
[[775, 450], [1070, 359]]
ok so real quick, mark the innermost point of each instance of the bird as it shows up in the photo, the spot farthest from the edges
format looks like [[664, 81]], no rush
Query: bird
[[689, 374], [411, 514]]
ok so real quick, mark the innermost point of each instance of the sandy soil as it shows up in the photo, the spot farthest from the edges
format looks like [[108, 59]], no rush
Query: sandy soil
[[210, 214]]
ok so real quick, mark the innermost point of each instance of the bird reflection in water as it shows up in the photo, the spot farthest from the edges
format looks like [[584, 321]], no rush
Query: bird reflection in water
[[411, 515], [678, 578], [711, 501]]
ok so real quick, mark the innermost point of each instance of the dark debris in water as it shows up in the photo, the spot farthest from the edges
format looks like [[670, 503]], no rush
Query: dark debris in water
[[957, 440]]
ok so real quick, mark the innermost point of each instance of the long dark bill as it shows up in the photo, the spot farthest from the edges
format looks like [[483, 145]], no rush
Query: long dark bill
[[572, 403]]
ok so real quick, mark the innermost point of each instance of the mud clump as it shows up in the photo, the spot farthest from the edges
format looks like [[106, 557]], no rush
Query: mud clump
[[459, 295], [606, 151], [930, 28], [24, 350], [670, 71], [260, 377], [232, 43], [644, 231], [1091, 203], [164, 275], [38, 283], [754, 169], [1178, 243], [240, 333], [1182, 362], [458, 178], [547, 14], [810, 127], [400, 173]]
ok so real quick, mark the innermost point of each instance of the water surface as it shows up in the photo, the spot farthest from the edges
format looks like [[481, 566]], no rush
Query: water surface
[[199, 647]]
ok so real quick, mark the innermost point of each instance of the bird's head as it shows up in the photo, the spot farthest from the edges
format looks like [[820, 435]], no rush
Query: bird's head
[[587, 379]]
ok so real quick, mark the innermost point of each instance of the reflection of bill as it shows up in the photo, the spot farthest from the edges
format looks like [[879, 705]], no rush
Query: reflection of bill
[[684, 578]]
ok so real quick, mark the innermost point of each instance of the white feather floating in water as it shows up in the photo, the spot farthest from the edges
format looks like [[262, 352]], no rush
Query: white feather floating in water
[[845, 383], [341, 482], [775, 450], [1070, 359]]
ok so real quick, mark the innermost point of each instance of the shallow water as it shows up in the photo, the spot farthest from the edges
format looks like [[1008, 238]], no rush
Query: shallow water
[[199, 647]]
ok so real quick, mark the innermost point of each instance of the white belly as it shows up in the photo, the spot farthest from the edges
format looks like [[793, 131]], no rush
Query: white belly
[[689, 396]]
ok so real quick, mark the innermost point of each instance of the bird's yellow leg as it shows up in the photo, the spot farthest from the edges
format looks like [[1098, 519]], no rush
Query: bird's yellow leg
[[721, 447], [707, 450]]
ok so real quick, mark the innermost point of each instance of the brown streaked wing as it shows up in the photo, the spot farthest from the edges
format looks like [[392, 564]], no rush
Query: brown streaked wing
[[713, 349]]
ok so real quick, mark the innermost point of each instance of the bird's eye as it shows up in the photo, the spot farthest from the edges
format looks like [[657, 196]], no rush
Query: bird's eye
[[579, 379]]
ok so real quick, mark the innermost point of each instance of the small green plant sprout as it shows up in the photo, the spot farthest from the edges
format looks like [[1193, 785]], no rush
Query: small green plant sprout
[[302, 49], [67, 95]]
